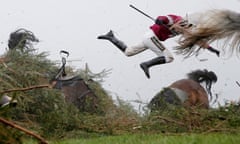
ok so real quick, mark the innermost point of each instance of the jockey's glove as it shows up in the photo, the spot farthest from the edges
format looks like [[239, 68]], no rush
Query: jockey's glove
[[211, 49], [160, 22]]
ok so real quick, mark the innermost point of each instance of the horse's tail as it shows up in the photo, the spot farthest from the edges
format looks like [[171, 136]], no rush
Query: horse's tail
[[206, 76], [211, 26]]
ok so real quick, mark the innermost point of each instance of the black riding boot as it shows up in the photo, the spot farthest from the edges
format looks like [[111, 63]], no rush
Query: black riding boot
[[110, 36], [156, 61]]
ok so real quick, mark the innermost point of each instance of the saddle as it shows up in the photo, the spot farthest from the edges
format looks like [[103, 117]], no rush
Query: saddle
[[67, 81]]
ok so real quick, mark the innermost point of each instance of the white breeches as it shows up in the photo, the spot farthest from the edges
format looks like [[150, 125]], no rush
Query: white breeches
[[151, 42]]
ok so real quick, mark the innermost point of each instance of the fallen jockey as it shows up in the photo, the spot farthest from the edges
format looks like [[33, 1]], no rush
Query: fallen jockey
[[165, 27], [157, 33]]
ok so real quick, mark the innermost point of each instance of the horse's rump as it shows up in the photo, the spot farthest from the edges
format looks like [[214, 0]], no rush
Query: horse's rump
[[197, 96], [186, 92]]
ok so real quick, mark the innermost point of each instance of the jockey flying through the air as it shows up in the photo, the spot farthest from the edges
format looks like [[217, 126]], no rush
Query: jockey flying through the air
[[160, 31]]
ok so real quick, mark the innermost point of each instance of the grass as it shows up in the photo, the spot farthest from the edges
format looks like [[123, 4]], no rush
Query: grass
[[213, 138]]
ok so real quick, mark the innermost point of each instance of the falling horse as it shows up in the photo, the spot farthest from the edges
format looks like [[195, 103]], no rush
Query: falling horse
[[75, 89], [187, 92]]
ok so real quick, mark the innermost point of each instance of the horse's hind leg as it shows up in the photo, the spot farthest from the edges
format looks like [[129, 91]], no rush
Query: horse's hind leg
[[197, 99]]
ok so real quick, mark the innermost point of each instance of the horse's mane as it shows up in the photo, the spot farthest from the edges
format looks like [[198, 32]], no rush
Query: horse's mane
[[206, 76], [21, 39]]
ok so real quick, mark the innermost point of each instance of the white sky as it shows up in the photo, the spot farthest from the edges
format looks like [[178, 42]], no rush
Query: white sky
[[73, 25]]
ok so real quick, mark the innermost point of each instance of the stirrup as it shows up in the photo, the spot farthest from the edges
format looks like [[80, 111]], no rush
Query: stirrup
[[107, 36]]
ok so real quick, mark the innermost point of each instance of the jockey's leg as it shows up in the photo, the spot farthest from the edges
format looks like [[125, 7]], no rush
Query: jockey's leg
[[110, 36], [128, 51], [164, 56], [156, 61], [135, 49]]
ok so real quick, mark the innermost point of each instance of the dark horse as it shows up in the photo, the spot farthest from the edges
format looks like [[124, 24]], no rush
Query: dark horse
[[75, 89], [187, 92]]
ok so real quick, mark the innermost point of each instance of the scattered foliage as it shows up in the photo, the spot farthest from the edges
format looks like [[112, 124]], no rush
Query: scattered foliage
[[44, 110]]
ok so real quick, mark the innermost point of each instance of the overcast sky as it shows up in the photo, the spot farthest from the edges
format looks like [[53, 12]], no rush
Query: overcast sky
[[73, 25]]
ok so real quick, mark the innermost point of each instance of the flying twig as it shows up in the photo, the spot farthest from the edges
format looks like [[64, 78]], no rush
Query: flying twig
[[237, 83], [26, 89]]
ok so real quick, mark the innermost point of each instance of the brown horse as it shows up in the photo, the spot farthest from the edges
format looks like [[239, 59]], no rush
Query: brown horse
[[187, 92], [75, 89], [77, 92]]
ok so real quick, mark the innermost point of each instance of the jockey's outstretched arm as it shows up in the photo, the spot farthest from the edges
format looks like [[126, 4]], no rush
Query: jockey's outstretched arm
[[205, 45], [211, 49], [208, 47]]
